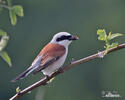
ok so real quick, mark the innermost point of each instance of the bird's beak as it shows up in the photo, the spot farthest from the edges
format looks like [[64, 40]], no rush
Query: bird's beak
[[74, 37]]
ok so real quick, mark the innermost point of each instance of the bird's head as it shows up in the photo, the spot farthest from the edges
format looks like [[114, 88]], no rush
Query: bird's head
[[63, 38]]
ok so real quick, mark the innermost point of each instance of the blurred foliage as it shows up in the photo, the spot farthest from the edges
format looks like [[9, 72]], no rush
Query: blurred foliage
[[5, 56], [3, 44], [13, 12], [104, 37]]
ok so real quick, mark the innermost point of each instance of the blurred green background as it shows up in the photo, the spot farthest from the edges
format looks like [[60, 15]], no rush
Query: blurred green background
[[42, 19]]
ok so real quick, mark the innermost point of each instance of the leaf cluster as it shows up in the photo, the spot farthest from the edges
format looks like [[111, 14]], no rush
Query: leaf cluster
[[103, 36], [14, 11], [3, 44]]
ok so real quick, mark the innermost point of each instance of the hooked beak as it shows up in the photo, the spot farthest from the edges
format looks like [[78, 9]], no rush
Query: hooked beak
[[74, 37]]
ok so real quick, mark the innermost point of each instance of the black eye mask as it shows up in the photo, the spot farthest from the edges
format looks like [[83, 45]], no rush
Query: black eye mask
[[63, 37]]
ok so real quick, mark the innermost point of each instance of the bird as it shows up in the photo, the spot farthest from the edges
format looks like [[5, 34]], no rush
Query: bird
[[51, 57]]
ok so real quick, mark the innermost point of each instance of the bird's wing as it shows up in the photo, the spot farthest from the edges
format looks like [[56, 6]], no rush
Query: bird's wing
[[47, 62], [50, 54]]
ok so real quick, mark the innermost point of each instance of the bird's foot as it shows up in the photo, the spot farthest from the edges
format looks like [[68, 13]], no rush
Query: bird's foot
[[47, 78], [60, 70]]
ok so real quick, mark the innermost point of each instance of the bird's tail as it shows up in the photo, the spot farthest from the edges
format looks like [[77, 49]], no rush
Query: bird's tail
[[23, 74]]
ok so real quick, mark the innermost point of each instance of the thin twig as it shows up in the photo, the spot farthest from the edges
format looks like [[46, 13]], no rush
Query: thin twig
[[45, 80]]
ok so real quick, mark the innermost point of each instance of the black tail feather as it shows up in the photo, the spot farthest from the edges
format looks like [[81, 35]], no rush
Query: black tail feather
[[21, 76]]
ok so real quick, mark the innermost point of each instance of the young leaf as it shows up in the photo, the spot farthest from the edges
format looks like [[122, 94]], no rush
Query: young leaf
[[113, 45], [18, 90], [3, 42], [5, 56], [109, 36], [2, 33], [101, 31], [101, 37], [13, 17], [18, 10], [102, 34], [115, 35]]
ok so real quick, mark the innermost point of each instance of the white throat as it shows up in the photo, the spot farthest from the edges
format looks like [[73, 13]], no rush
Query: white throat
[[65, 43]]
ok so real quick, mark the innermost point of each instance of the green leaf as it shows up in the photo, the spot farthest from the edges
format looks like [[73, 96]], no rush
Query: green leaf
[[102, 34], [2, 33], [5, 56], [109, 36], [18, 90], [13, 17], [114, 45], [101, 37], [18, 10], [3, 42], [115, 35], [101, 31]]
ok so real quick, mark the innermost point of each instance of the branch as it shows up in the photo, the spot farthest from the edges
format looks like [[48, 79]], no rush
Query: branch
[[45, 80]]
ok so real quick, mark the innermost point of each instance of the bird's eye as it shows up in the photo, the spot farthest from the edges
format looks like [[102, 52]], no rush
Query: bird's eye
[[63, 37]]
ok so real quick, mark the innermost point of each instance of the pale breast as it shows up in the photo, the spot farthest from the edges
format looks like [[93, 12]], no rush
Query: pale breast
[[56, 65]]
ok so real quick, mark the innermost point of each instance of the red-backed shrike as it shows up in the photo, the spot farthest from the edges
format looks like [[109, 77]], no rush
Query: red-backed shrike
[[51, 57]]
